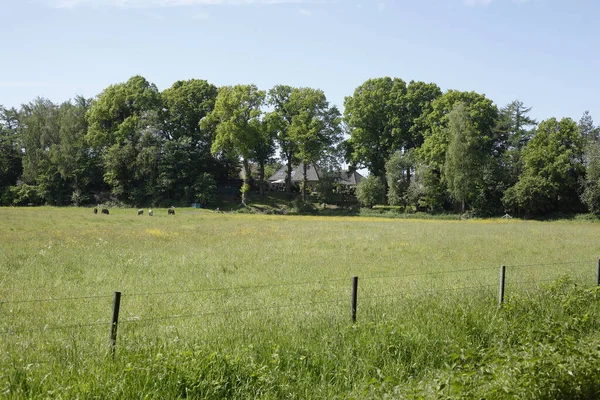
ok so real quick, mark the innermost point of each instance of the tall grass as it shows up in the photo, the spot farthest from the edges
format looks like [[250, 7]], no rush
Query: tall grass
[[245, 306]]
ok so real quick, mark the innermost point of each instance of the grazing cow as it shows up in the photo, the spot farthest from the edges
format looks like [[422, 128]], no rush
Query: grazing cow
[[140, 212], [150, 213], [170, 211], [95, 210], [105, 211]]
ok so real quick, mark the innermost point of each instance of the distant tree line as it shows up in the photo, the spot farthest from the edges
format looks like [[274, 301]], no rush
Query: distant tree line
[[424, 149]]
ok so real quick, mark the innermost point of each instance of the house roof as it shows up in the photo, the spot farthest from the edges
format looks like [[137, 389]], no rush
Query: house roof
[[314, 173], [350, 178]]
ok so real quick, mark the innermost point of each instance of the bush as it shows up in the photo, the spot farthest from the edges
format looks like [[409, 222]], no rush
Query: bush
[[302, 206], [26, 195], [205, 189], [370, 191]]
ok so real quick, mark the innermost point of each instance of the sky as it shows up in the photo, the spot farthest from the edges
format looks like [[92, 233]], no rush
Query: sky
[[541, 52]]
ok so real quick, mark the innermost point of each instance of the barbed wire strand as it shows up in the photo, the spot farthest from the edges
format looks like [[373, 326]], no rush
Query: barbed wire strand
[[210, 313], [550, 264], [52, 327], [427, 273], [51, 299], [233, 288]]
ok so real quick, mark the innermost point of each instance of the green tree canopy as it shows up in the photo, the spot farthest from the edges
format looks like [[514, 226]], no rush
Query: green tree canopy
[[315, 127], [377, 119], [552, 170], [238, 119], [125, 129]]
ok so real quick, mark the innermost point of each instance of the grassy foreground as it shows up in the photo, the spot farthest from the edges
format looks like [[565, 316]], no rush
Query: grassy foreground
[[251, 306]]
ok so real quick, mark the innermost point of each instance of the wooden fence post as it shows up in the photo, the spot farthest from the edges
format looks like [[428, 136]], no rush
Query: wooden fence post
[[113, 325], [502, 280], [354, 297], [598, 273]]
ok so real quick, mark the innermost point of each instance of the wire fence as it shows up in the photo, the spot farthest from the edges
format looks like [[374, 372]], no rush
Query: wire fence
[[140, 308]]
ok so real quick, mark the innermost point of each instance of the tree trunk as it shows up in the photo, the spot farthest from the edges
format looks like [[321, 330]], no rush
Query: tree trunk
[[304, 180], [288, 177], [261, 177], [246, 185]]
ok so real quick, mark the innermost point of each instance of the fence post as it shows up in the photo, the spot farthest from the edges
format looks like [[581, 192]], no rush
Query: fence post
[[502, 280], [115, 321], [354, 297], [598, 274]]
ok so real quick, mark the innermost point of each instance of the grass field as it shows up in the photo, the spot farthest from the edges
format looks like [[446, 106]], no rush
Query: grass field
[[225, 305]]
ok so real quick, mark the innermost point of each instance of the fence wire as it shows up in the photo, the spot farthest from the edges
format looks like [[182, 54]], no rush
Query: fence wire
[[398, 293]]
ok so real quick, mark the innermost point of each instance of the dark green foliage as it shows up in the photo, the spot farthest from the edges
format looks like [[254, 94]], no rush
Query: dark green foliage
[[205, 189], [382, 117], [10, 153], [552, 170], [326, 187]]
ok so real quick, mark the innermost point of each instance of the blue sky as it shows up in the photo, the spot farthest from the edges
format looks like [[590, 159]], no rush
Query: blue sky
[[543, 52]]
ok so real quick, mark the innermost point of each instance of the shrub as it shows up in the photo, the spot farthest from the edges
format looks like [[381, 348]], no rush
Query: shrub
[[370, 191], [205, 189]]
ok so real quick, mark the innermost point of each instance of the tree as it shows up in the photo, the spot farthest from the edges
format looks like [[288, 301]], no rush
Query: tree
[[514, 130], [514, 122], [552, 169], [280, 120], [123, 119], [587, 129], [378, 123], [464, 157], [482, 114], [315, 127], [237, 117], [264, 149], [370, 191], [591, 193], [10, 152], [186, 155], [40, 133], [398, 172]]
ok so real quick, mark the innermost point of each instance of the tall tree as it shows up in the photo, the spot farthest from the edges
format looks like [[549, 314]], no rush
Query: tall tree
[[186, 156], [40, 132], [237, 117], [517, 124], [280, 119], [587, 129], [398, 171], [464, 157], [552, 171], [315, 127], [264, 149], [124, 118], [591, 193], [431, 155], [378, 123], [10, 152]]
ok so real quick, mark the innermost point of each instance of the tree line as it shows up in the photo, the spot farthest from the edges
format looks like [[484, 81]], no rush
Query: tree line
[[424, 149]]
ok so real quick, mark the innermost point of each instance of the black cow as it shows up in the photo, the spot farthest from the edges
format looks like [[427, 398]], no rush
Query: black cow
[[170, 211], [105, 211]]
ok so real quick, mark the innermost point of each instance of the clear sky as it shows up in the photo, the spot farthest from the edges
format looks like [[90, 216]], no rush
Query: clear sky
[[542, 52]]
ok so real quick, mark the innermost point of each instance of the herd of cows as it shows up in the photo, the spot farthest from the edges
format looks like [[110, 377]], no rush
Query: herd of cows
[[170, 211]]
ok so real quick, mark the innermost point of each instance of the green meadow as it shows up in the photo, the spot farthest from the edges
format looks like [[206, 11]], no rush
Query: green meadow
[[228, 305]]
